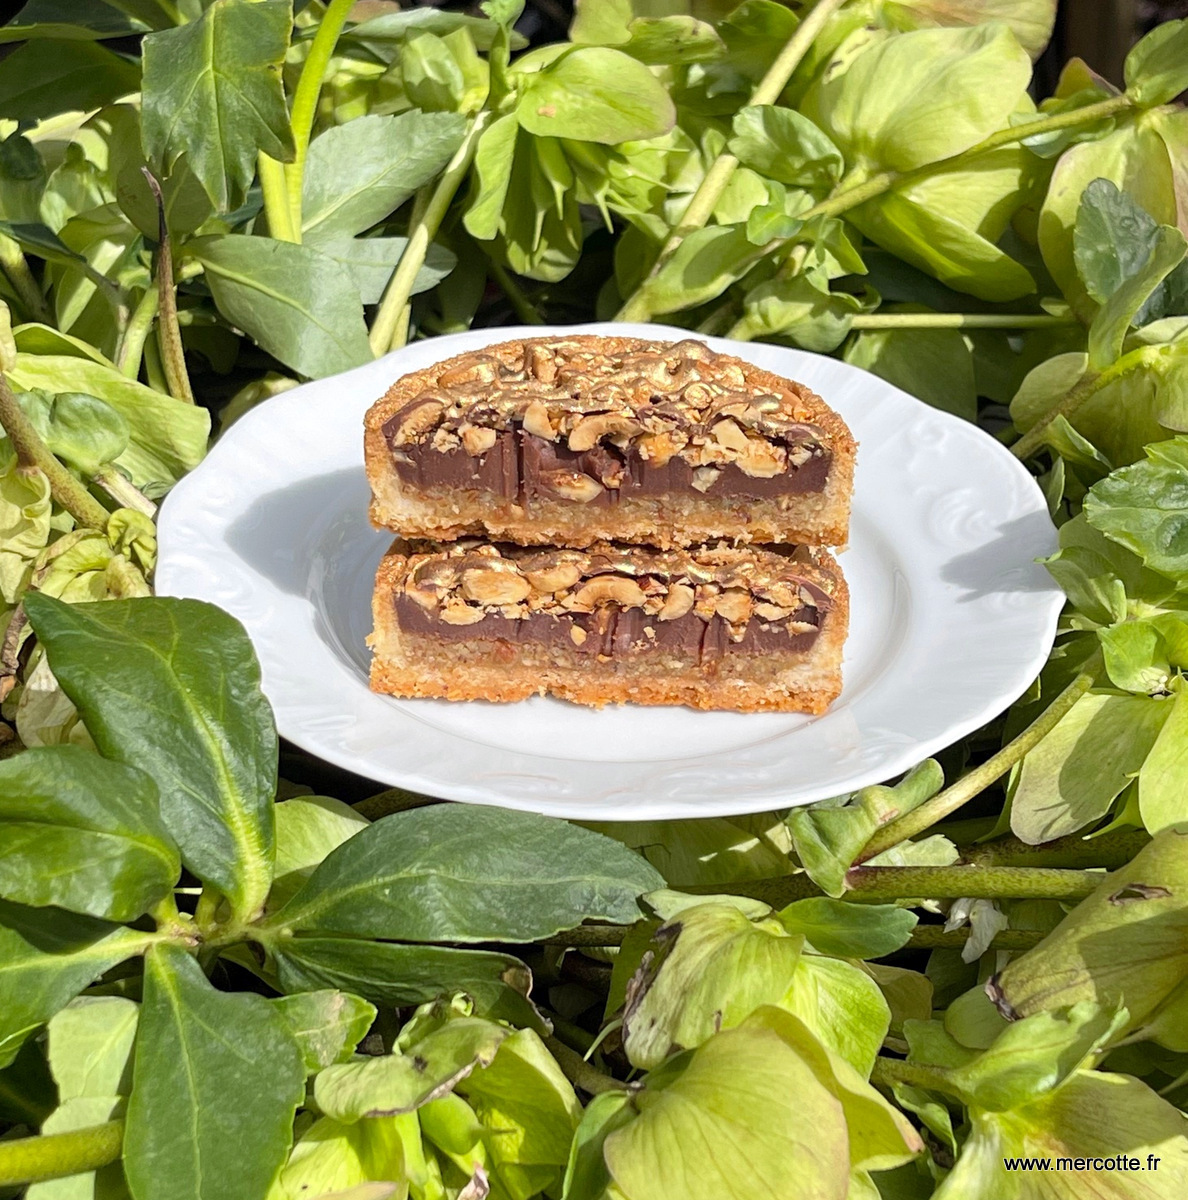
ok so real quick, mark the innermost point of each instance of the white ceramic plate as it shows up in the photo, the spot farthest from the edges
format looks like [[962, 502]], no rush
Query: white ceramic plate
[[951, 617]]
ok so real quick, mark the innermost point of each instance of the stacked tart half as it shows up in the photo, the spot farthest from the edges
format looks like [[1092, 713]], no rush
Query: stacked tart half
[[608, 520]]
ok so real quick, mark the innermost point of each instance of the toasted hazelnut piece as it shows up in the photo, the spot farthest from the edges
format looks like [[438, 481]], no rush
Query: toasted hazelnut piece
[[461, 614], [419, 417], [734, 605], [609, 589], [479, 370], [727, 433], [780, 593], [795, 627], [807, 598], [435, 573], [554, 578], [589, 431], [476, 440], [706, 600], [760, 459], [693, 349], [537, 423], [543, 363], [577, 635], [424, 594], [658, 448], [571, 485], [799, 455], [678, 602], [491, 585], [771, 612], [704, 478]]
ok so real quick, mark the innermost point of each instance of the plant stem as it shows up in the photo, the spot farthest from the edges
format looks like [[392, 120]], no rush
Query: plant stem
[[894, 1070], [34, 454], [390, 329], [131, 351], [276, 199], [205, 909], [1112, 850], [124, 492], [524, 308], [960, 321], [55, 1155], [305, 103], [1085, 388], [934, 937], [579, 1072], [173, 355], [701, 204], [981, 777], [16, 268], [877, 885]]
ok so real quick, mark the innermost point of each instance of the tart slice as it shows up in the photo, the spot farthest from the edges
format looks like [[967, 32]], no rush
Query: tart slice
[[573, 440], [710, 627]]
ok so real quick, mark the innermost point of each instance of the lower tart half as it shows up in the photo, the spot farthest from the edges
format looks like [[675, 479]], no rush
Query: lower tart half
[[711, 627]]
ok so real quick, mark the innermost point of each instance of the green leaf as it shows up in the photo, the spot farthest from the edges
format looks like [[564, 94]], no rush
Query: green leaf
[[326, 1025], [1073, 776], [785, 145], [43, 78], [186, 203], [1125, 944], [1121, 310], [705, 264], [85, 19], [1030, 21], [84, 431], [1157, 68], [595, 94], [542, 224], [47, 957], [173, 687], [910, 100], [401, 1082], [39, 239], [1145, 508], [934, 365], [390, 974], [461, 874], [298, 303], [22, 179], [849, 930], [586, 1174], [712, 968], [673, 40], [307, 829], [493, 159], [212, 91], [383, 35], [370, 262], [218, 1078], [167, 436], [83, 834], [1163, 780], [356, 174], [601, 22]]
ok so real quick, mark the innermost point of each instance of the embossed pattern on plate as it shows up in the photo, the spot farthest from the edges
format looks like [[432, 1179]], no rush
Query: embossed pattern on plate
[[951, 616]]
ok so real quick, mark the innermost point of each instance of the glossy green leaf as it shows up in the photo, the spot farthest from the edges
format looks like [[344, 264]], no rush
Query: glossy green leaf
[[173, 686], [186, 203], [461, 874], [785, 145], [340, 1161], [910, 100], [1157, 68], [1145, 507], [849, 930], [298, 303], [358, 173], [1121, 310], [212, 91], [83, 431], [934, 365], [84, 19], [385, 33], [307, 829], [44, 78], [83, 834], [370, 262], [167, 436], [1163, 780], [706, 263], [218, 1078], [713, 967], [586, 1174], [326, 1025], [595, 94], [391, 974], [1124, 945], [47, 957], [1073, 776], [401, 1082]]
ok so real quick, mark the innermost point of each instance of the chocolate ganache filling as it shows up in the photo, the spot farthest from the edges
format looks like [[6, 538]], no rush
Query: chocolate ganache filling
[[617, 633]]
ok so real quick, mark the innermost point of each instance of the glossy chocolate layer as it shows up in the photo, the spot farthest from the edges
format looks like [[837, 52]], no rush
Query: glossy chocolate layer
[[613, 632], [519, 464]]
